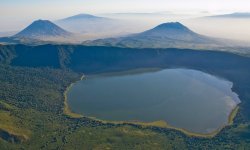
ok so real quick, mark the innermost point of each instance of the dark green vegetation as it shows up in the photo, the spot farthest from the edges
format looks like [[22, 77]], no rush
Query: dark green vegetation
[[33, 80]]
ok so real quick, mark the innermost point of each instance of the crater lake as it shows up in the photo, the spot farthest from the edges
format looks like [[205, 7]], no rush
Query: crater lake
[[183, 98]]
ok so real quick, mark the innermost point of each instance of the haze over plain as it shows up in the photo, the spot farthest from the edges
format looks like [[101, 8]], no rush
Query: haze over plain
[[137, 16]]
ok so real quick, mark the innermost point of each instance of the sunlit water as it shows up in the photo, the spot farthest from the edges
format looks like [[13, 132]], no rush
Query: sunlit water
[[188, 99]]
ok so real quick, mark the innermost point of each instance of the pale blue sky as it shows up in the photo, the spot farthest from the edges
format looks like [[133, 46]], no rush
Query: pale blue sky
[[18, 11], [57, 7]]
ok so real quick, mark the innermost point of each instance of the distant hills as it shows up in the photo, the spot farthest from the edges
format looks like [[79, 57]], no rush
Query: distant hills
[[86, 23], [42, 29], [232, 15], [166, 35], [81, 17]]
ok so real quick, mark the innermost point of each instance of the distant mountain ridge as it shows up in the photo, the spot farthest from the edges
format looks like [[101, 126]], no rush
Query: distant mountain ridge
[[232, 15], [81, 16], [166, 35], [84, 23], [41, 29]]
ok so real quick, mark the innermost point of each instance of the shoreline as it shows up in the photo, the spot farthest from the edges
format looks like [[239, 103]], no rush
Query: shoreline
[[164, 124], [161, 124], [66, 109]]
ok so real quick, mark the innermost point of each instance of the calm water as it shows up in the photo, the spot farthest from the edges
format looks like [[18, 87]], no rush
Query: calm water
[[188, 99]]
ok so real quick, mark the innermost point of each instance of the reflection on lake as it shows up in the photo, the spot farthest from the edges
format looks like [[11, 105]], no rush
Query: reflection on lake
[[188, 99]]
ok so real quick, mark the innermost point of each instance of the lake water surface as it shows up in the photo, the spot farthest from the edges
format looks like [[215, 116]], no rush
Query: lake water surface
[[184, 98]]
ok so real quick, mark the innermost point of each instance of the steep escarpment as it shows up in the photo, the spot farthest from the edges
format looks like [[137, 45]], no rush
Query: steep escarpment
[[7, 53], [100, 59]]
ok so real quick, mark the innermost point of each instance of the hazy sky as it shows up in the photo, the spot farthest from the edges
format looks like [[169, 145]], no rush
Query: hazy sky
[[24, 11]]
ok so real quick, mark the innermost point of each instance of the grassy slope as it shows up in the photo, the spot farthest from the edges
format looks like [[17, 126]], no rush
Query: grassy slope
[[11, 124]]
